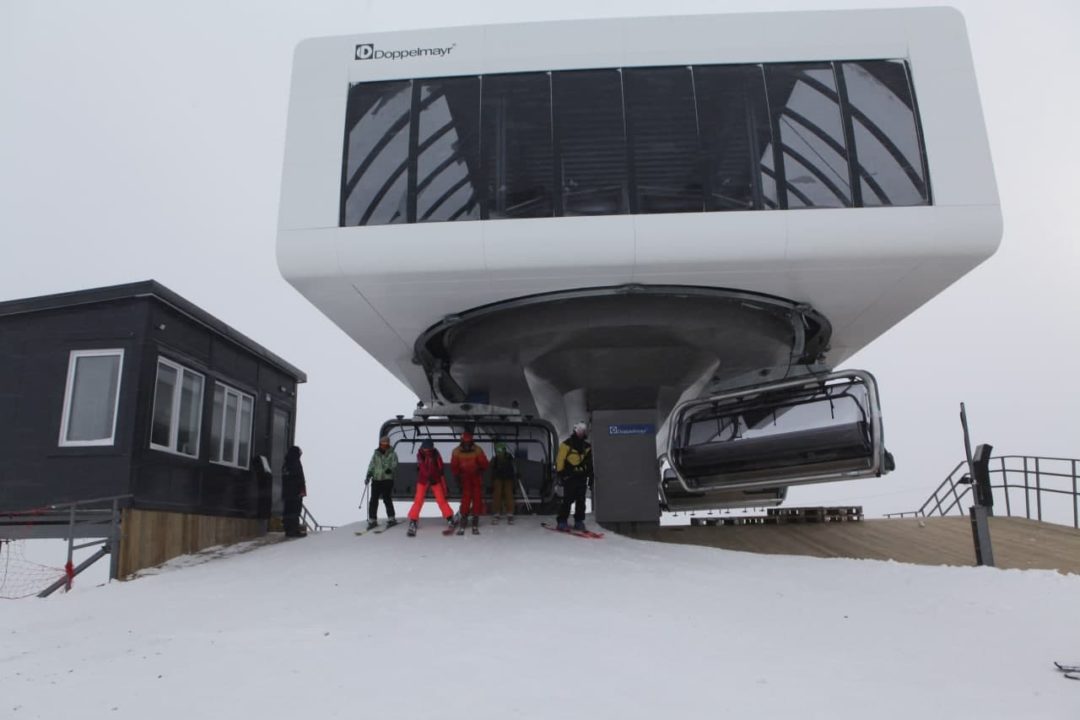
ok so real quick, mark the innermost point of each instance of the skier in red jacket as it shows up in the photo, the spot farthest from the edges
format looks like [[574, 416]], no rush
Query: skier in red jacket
[[468, 463], [429, 474]]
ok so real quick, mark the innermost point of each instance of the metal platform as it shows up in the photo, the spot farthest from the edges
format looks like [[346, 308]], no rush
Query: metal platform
[[785, 516]]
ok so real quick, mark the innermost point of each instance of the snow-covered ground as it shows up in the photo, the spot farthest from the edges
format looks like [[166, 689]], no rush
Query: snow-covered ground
[[524, 623]]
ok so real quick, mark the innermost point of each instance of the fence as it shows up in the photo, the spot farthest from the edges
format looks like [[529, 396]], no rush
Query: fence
[[1037, 488]]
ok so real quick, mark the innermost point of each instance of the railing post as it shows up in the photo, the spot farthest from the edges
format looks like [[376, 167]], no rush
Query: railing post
[[1076, 499], [1027, 491], [1005, 483], [114, 541], [1038, 490], [69, 567]]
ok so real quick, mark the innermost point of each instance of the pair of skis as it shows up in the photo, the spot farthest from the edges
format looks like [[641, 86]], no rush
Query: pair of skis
[[1070, 671], [377, 530], [577, 533]]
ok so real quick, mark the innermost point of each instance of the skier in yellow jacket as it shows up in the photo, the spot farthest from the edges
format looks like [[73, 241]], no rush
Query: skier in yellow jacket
[[575, 469]]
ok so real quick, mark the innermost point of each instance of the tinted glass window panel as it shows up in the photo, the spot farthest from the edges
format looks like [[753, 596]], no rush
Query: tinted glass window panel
[[448, 151], [516, 145], [217, 424], [187, 437], [737, 137], [664, 144], [806, 110], [93, 398], [890, 160], [377, 153], [164, 394], [591, 142], [228, 451], [245, 431]]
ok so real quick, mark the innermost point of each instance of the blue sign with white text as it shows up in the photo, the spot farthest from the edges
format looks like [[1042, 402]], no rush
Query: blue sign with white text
[[641, 429]]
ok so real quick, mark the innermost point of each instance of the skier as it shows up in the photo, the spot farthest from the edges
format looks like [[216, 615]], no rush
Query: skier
[[429, 474], [381, 470], [293, 491], [503, 476], [468, 463], [575, 469]]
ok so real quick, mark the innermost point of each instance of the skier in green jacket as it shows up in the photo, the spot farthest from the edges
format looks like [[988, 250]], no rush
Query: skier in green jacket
[[380, 475]]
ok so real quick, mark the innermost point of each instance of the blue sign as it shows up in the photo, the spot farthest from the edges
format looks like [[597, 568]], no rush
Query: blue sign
[[641, 429]]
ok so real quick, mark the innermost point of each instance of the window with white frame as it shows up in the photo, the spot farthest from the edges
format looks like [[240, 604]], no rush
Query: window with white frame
[[178, 399], [91, 397], [230, 431]]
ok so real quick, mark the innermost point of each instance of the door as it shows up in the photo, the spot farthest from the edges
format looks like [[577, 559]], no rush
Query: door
[[279, 442]]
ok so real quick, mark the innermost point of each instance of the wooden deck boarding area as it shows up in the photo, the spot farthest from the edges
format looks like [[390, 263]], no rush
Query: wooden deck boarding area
[[1018, 543]]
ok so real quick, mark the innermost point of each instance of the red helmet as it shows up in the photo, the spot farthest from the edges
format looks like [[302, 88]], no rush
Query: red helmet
[[466, 437]]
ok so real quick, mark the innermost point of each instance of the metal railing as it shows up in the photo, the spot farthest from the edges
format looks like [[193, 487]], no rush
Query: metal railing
[[310, 523], [94, 518], [1025, 485]]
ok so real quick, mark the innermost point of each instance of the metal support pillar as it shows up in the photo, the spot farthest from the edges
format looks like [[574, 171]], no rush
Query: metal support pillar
[[980, 512], [626, 488]]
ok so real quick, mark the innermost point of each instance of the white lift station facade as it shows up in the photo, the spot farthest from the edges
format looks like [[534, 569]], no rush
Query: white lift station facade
[[673, 227]]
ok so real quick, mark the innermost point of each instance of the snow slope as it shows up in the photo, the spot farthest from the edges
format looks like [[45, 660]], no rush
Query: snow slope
[[523, 623]]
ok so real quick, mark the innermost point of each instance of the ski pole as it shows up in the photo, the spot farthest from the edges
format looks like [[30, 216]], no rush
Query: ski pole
[[524, 495], [367, 486]]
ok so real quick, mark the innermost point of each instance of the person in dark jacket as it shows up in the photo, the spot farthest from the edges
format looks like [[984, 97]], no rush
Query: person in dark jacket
[[293, 491], [380, 476], [575, 469], [429, 474]]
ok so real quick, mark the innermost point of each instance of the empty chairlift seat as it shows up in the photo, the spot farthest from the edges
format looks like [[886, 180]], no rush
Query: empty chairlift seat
[[849, 441], [810, 430]]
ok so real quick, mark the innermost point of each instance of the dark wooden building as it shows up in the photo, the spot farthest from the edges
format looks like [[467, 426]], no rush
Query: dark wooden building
[[133, 390]]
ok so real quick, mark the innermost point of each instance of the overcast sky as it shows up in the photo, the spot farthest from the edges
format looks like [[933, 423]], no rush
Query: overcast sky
[[145, 140]]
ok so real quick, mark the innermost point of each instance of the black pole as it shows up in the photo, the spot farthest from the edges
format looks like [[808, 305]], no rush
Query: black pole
[[979, 512]]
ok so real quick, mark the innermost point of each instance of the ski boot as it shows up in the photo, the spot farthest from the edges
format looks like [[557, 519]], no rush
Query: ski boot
[[475, 524], [509, 519], [579, 525], [391, 521], [494, 519], [562, 526], [411, 532], [372, 524], [461, 524]]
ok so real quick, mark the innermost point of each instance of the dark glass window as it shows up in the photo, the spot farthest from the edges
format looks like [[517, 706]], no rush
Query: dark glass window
[[590, 142], [642, 140], [448, 150], [889, 160], [516, 145], [806, 115], [665, 149], [737, 137], [377, 153]]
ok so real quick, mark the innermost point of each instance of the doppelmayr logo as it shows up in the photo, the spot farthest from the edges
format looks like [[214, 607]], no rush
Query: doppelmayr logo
[[368, 51]]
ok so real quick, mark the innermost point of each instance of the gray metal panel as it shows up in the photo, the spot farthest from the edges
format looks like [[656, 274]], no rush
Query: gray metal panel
[[624, 461]]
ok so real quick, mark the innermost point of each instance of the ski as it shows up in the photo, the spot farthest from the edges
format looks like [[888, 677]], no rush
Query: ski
[[385, 528], [1072, 676], [1063, 667], [577, 533]]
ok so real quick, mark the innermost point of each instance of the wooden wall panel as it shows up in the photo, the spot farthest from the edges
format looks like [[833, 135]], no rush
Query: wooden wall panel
[[150, 537]]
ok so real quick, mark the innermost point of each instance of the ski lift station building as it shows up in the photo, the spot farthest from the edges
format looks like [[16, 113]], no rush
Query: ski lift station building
[[676, 227]]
